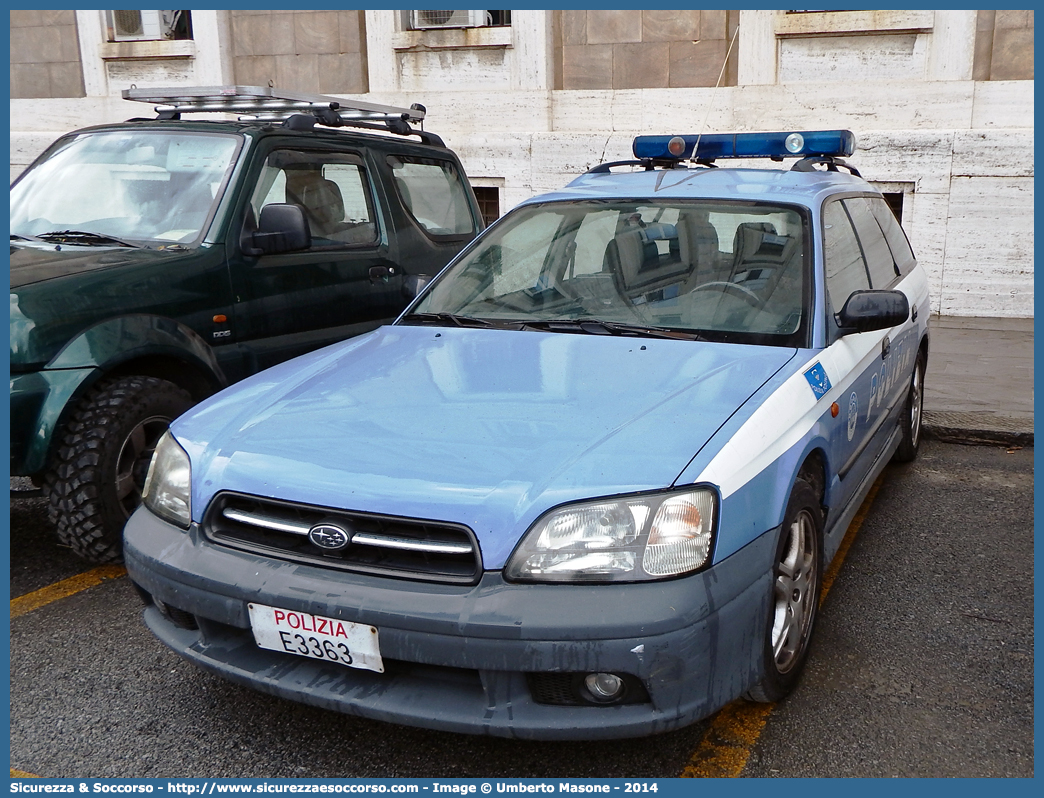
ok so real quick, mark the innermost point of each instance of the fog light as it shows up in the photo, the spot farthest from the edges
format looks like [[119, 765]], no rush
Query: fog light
[[604, 687]]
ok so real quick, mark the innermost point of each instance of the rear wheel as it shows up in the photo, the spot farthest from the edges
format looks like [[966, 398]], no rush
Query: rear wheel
[[912, 412], [796, 580], [103, 455]]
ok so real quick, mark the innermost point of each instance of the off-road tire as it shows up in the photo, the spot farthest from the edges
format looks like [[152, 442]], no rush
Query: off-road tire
[[96, 476], [801, 539]]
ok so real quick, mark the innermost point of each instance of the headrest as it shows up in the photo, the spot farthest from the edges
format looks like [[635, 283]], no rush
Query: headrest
[[322, 198]]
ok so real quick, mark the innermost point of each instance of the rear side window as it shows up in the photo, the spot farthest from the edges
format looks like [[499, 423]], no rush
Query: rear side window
[[845, 268], [875, 249], [433, 192], [894, 235]]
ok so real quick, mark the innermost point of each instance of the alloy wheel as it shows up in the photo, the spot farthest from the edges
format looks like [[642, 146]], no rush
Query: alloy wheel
[[794, 593], [916, 393], [132, 465]]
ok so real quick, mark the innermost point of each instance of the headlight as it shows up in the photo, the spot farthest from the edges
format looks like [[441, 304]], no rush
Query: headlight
[[629, 539], [168, 485]]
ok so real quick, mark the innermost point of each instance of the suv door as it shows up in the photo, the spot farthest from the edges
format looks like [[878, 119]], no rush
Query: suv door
[[344, 284]]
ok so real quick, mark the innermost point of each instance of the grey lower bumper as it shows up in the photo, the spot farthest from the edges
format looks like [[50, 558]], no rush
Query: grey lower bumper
[[457, 657]]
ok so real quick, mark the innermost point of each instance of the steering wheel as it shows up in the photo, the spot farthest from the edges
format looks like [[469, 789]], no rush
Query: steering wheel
[[735, 289]]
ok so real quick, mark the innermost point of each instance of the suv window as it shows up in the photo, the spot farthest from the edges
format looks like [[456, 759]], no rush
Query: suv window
[[141, 186], [433, 192], [845, 267], [330, 187], [894, 235], [875, 249]]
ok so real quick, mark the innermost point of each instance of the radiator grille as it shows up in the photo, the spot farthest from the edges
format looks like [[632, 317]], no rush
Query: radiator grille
[[407, 548]]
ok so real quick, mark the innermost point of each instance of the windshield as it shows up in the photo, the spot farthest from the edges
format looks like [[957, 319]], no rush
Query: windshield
[[130, 185], [718, 270]]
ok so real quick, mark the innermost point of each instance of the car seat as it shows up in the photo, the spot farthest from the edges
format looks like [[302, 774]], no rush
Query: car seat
[[321, 200], [698, 246]]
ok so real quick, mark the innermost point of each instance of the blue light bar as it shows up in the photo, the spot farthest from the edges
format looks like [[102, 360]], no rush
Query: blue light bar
[[796, 144]]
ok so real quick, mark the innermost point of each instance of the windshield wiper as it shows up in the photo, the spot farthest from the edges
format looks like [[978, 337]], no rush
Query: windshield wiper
[[451, 318], [589, 326], [600, 327], [86, 237]]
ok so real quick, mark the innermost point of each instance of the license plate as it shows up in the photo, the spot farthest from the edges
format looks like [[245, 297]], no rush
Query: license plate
[[316, 637]]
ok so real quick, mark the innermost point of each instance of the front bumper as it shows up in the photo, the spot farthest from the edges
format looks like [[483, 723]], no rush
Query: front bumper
[[457, 658]]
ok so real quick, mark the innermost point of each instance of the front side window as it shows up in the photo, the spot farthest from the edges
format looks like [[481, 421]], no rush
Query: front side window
[[879, 261], [894, 235], [432, 190], [146, 187], [717, 270], [331, 188], [845, 267]]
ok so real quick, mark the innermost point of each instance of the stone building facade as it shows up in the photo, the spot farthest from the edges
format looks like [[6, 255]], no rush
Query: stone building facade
[[941, 101]]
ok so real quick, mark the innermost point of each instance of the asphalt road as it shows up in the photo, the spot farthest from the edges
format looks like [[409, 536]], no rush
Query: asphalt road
[[922, 666]]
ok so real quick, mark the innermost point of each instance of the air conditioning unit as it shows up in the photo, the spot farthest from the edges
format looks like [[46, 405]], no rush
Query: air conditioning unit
[[136, 26], [423, 20]]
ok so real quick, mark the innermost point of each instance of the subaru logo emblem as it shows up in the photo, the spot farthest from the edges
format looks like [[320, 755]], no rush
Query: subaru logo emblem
[[329, 537]]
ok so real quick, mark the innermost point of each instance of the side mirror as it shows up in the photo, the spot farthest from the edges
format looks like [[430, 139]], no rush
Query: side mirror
[[866, 311], [282, 228], [413, 284]]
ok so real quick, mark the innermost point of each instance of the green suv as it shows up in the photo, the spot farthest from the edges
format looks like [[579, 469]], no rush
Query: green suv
[[155, 261]]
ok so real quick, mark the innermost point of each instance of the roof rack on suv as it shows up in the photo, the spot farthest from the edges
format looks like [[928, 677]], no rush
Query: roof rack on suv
[[296, 110]]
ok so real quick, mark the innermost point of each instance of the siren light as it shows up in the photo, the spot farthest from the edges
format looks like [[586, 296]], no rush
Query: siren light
[[798, 144]]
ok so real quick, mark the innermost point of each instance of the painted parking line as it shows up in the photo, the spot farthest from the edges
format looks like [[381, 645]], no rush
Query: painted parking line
[[734, 731], [21, 774], [67, 587]]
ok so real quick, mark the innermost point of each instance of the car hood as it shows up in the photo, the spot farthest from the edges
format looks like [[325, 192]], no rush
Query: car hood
[[34, 264], [489, 428]]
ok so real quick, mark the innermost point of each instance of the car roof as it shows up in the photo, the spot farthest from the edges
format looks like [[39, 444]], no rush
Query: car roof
[[808, 189]]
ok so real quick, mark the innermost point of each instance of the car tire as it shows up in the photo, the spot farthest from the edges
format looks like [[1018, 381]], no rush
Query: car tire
[[797, 577], [913, 410], [103, 455]]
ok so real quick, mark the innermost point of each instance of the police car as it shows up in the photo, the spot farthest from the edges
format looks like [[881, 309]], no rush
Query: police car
[[587, 485]]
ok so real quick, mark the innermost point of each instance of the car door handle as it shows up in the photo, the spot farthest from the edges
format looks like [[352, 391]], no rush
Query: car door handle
[[886, 347]]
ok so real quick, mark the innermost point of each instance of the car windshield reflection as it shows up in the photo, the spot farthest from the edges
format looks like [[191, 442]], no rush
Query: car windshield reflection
[[116, 187], [725, 270]]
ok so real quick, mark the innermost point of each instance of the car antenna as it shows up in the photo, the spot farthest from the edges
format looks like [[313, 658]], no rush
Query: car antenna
[[710, 105]]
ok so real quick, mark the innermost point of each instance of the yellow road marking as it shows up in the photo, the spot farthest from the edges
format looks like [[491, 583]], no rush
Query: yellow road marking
[[60, 590], [727, 744], [67, 587]]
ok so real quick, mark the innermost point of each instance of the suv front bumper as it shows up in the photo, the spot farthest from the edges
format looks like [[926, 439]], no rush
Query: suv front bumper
[[459, 658], [38, 399]]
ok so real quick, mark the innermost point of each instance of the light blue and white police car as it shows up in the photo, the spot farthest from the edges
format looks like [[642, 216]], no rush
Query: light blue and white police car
[[586, 485]]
